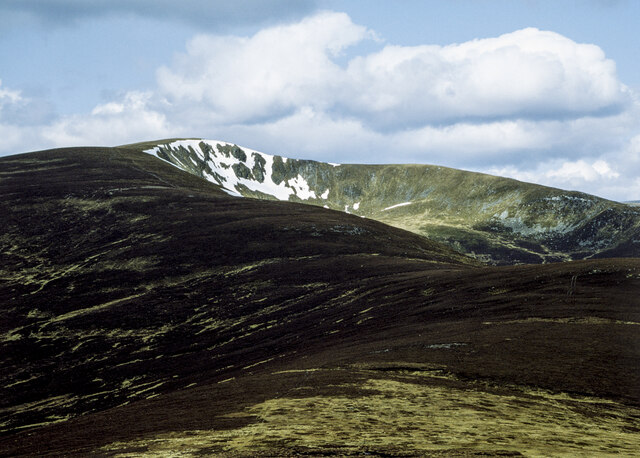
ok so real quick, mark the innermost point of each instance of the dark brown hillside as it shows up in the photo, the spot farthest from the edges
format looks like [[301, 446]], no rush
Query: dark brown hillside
[[143, 310]]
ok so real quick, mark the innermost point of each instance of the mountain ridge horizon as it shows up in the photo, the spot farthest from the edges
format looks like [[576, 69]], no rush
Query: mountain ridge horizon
[[476, 213]]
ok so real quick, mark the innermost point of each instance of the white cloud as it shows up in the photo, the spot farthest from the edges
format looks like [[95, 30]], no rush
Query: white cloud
[[528, 74], [468, 141], [580, 171], [311, 134], [8, 96], [267, 76], [129, 120], [583, 174]]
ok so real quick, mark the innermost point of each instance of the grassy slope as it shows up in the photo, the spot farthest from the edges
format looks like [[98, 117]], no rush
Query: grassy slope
[[143, 310]]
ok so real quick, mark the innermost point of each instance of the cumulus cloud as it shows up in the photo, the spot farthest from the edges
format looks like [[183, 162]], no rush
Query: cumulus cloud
[[131, 118], [527, 74], [265, 76], [583, 171], [128, 120], [602, 177], [311, 134], [556, 172]]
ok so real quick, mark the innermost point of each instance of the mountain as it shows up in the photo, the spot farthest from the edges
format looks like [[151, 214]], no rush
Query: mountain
[[496, 220], [146, 312]]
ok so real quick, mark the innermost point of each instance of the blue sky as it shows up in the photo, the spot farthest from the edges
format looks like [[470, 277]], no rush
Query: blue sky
[[543, 91]]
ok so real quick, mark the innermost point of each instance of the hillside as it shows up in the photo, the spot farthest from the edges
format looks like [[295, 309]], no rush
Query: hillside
[[497, 220], [145, 311]]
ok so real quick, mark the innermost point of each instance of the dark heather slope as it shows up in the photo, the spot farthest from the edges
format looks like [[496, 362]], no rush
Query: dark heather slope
[[111, 259], [143, 310]]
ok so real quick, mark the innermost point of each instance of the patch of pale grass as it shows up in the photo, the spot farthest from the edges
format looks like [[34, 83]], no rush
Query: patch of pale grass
[[399, 415]]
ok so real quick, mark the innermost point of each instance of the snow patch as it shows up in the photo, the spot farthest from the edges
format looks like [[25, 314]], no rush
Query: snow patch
[[301, 188], [445, 346], [356, 205], [334, 164], [397, 205], [232, 193], [325, 195], [224, 175]]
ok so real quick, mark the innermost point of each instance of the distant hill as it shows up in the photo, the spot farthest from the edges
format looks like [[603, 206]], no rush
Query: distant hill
[[496, 220]]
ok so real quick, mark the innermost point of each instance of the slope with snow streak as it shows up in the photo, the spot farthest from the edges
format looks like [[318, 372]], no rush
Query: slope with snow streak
[[233, 168]]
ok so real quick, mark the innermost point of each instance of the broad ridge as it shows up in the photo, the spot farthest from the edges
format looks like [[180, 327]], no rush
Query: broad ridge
[[497, 220]]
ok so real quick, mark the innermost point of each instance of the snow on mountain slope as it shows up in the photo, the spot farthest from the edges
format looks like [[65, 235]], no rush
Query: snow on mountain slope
[[233, 168]]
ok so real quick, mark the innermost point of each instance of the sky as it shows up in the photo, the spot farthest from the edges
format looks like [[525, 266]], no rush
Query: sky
[[538, 90]]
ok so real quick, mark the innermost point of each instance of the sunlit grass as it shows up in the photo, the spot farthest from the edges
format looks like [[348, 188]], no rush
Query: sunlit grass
[[391, 415]]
